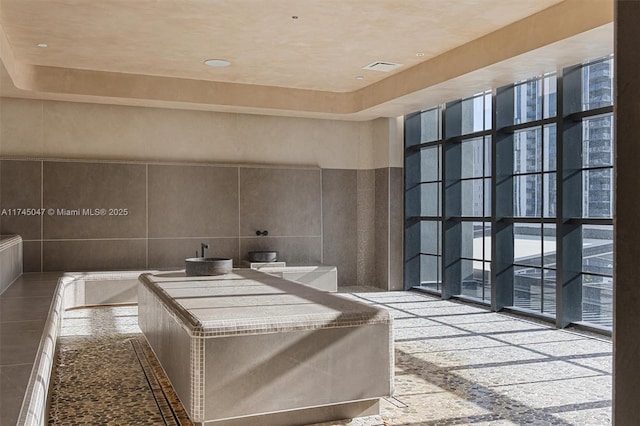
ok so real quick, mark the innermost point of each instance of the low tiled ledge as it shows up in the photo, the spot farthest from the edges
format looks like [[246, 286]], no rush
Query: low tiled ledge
[[10, 260], [73, 290], [320, 277]]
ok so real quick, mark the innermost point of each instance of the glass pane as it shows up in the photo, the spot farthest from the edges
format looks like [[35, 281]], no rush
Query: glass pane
[[472, 284], [466, 239], [488, 102], [412, 241], [550, 153], [527, 244], [549, 194], [487, 281], [527, 192], [597, 300], [472, 114], [597, 193], [475, 240], [487, 156], [597, 249], [597, 144], [430, 164], [487, 241], [549, 292], [472, 198], [423, 166], [430, 125], [479, 240], [411, 130], [527, 102], [472, 153], [430, 276], [550, 96], [527, 291], [597, 85], [430, 199], [487, 197], [412, 168], [549, 245], [430, 237], [423, 200], [527, 150]]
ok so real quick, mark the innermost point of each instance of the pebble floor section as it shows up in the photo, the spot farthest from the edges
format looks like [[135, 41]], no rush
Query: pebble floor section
[[455, 364], [106, 373]]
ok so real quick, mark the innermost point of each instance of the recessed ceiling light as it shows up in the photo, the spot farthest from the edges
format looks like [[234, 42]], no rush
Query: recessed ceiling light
[[217, 62], [359, 77], [42, 45], [419, 54]]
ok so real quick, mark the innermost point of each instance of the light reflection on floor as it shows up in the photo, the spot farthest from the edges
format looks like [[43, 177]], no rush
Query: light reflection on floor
[[455, 364]]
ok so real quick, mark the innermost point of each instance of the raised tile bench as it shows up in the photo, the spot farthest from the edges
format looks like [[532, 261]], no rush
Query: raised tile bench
[[10, 260], [249, 348]]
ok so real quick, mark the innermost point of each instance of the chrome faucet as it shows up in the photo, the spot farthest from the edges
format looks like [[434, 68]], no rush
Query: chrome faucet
[[203, 247]]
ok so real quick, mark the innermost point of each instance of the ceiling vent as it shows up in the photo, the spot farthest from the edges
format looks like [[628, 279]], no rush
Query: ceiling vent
[[381, 66]]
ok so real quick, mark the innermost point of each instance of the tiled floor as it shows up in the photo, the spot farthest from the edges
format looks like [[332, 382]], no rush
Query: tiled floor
[[458, 364], [455, 364], [23, 310], [106, 373]]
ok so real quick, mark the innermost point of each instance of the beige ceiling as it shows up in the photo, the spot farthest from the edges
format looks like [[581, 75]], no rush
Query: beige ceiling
[[151, 52]]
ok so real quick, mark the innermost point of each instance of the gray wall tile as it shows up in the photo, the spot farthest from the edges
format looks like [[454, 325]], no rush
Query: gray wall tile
[[94, 255], [382, 227], [293, 250], [170, 253], [31, 256], [285, 202], [71, 185], [193, 201], [340, 223], [20, 188], [396, 228], [366, 227]]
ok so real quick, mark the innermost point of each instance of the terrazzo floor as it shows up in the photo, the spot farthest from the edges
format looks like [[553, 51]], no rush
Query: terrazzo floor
[[455, 364]]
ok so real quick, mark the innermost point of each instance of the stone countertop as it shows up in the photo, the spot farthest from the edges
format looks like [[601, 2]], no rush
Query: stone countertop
[[247, 301]]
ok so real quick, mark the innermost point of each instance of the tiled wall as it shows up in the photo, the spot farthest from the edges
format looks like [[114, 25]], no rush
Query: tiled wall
[[333, 216], [389, 228], [171, 209]]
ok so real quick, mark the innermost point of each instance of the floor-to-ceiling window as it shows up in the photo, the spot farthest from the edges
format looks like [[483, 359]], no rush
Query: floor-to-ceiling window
[[595, 218], [533, 217], [467, 207], [509, 196], [423, 200]]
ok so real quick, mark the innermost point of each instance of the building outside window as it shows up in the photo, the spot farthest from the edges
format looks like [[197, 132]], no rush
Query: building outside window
[[509, 197]]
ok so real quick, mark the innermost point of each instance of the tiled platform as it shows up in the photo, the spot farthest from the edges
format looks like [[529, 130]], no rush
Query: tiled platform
[[455, 364]]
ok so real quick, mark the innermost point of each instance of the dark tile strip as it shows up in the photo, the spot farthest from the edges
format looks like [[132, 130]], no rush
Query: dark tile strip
[[177, 408], [154, 386]]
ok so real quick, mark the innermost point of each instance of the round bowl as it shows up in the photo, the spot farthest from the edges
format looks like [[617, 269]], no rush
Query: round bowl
[[263, 256], [199, 266]]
